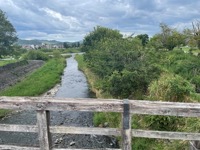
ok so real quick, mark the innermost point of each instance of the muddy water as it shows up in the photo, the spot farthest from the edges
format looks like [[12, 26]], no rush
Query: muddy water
[[73, 85]]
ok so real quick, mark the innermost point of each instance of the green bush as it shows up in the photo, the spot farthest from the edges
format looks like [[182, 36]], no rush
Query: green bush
[[113, 119], [196, 82], [56, 54], [35, 55], [170, 87], [185, 65], [164, 123]]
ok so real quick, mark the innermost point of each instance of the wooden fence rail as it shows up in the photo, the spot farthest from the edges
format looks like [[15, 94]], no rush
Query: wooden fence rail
[[43, 105]]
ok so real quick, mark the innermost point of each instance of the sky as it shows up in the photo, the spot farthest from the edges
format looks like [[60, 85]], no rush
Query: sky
[[72, 20]]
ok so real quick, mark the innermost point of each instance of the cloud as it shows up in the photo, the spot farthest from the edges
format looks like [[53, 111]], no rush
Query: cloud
[[67, 20], [70, 21]]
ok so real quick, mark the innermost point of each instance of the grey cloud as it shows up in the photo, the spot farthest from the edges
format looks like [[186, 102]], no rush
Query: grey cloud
[[68, 20]]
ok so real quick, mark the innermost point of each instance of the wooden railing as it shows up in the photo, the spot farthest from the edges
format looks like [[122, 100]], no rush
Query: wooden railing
[[126, 107]]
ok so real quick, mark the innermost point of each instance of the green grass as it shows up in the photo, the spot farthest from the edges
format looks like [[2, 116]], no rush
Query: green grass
[[195, 97], [4, 112], [72, 50], [81, 64], [39, 81], [5, 62]]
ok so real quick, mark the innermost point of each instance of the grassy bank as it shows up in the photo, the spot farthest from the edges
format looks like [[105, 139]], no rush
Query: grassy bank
[[37, 82], [99, 118], [91, 77], [5, 62]]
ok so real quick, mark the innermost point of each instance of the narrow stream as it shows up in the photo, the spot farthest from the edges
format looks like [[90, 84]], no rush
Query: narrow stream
[[73, 85]]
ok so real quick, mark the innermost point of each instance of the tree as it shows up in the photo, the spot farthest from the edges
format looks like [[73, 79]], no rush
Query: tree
[[18, 51], [66, 45], [7, 35], [121, 63], [168, 38], [144, 38], [99, 33], [196, 32], [155, 42]]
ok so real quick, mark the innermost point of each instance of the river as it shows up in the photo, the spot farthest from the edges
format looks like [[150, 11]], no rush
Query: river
[[73, 85]]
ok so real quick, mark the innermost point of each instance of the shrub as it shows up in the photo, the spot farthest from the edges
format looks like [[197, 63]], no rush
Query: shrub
[[56, 54], [36, 55], [170, 87]]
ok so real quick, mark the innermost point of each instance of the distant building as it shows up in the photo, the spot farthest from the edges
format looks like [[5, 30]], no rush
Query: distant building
[[43, 45]]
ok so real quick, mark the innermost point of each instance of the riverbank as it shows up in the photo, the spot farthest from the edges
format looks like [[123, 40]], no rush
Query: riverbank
[[15, 72], [113, 119], [99, 119], [91, 77], [38, 82]]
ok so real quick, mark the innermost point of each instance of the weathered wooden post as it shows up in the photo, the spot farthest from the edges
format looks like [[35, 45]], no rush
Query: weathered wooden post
[[126, 126], [43, 122], [194, 145]]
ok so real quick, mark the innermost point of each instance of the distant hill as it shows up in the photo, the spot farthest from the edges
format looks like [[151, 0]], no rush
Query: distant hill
[[38, 42]]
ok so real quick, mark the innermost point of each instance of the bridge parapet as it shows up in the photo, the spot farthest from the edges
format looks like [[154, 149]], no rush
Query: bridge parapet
[[43, 106]]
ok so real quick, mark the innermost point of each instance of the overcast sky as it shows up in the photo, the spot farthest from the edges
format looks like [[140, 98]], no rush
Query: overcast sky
[[71, 20]]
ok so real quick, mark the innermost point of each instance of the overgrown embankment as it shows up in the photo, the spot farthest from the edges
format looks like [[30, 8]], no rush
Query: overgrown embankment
[[38, 82], [99, 118], [126, 68], [91, 77]]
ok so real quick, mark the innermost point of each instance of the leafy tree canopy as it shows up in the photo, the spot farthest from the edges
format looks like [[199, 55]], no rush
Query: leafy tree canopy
[[121, 63], [144, 38], [7, 35], [169, 38], [99, 33]]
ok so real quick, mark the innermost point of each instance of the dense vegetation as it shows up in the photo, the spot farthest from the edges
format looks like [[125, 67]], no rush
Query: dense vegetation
[[139, 68]]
